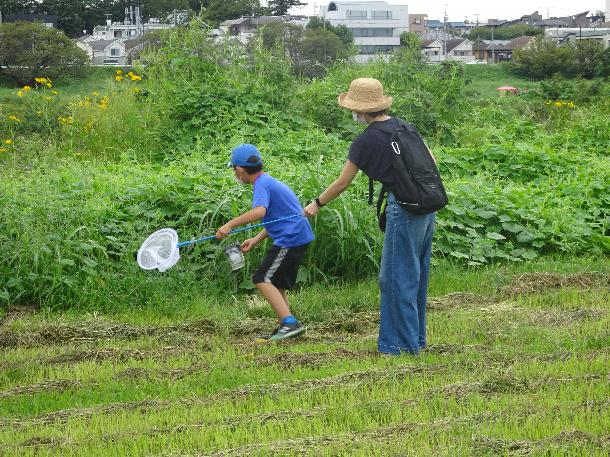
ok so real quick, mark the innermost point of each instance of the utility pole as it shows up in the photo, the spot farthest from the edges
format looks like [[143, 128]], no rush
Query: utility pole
[[477, 15], [493, 55], [445, 35]]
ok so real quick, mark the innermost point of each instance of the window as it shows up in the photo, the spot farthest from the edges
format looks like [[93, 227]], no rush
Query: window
[[332, 6], [349, 14], [118, 33], [381, 15], [115, 52], [373, 32], [417, 21], [374, 49]]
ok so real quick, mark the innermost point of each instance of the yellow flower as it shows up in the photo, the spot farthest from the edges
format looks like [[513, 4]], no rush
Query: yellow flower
[[27, 88], [20, 93], [557, 104], [136, 78], [68, 120], [40, 113], [14, 118], [571, 104], [118, 78], [54, 92], [95, 94], [119, 72], [8, 141], [2, 150]]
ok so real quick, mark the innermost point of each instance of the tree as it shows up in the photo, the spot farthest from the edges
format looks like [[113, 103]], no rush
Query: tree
[[410, 40], [218, 11], [544, 58], [588, 55], [504, 33], [319, 50], [283, 36], [344, 34], [603, 66], [29, 50], [281, 7]]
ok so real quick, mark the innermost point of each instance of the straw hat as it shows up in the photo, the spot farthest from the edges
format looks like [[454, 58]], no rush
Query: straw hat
[[365, 95]]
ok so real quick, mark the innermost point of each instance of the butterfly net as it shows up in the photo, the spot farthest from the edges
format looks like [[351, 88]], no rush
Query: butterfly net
[[159, 251]]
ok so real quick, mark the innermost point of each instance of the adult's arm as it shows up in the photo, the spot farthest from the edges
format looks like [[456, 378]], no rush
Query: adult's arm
[[349, 172]]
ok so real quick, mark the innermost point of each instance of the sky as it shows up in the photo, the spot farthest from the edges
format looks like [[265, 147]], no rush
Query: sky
[[486, 9]]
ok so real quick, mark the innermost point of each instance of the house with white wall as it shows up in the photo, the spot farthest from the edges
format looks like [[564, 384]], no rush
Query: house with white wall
[[432, 50], [375, 25], [459, 50]]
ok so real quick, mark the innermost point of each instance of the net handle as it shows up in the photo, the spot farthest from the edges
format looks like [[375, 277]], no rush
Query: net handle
[[249, 227]]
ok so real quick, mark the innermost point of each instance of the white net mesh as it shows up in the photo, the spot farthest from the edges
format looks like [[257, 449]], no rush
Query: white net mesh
[[159, 251]]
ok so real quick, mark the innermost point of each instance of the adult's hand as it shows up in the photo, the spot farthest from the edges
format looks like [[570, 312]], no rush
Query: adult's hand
[[311, 209]]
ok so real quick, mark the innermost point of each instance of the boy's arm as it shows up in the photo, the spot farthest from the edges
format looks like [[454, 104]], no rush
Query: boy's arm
[[261, 236], [253, 215]]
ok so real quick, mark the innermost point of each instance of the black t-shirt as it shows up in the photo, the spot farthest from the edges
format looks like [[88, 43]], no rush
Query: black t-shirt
[[372, 153]]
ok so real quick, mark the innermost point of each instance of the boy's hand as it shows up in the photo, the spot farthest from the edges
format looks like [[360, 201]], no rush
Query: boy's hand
[[311, 210], [248, 244], [223, 231]]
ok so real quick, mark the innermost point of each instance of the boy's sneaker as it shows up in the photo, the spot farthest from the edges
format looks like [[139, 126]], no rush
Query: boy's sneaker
[[286, 331]]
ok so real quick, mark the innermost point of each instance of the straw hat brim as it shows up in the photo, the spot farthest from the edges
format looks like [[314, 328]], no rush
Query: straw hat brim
[[345, 101]]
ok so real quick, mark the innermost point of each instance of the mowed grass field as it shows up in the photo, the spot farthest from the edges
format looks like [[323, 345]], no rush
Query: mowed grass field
[[518, 363]]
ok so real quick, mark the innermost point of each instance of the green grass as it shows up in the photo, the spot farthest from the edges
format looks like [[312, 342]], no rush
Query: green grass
[[485, 79], [517, 364]]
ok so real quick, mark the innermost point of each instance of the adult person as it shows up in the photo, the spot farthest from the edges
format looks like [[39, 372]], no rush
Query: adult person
[[405, 259]]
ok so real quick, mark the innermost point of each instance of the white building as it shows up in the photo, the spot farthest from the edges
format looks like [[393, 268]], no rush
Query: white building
[[128, 30], [375, 25]]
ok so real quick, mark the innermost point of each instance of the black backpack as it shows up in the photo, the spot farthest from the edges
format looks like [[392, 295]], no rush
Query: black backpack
[[417, 186]]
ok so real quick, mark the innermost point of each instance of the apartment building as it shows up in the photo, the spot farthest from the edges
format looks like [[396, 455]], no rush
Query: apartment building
[[375, 25], [418, 23]]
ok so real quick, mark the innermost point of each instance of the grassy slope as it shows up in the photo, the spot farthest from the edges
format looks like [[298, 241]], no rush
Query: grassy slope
[[517, 362], [485, 79]]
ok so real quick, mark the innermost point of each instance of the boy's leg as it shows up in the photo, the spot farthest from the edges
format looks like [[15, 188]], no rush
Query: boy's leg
[[276, 298]]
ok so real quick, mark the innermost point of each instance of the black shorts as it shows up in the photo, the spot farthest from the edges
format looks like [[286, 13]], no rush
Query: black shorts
[[280, 266]]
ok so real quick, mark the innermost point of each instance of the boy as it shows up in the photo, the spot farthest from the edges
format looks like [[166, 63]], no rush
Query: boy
[[272, 200]]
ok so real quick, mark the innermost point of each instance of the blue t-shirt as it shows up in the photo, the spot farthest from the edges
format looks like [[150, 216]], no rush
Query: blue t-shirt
[[280, 201]]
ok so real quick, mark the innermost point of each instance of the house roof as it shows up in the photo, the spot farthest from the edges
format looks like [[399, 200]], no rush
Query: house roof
[[452, 44], [435, 24], [519, 42], [428, 43], [100, 45]]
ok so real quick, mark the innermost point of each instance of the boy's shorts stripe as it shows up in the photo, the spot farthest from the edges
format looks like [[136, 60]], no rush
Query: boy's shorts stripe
[[280, 266], [275, 265]]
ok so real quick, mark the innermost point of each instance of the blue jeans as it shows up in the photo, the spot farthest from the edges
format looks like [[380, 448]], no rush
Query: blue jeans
[[403, 280]]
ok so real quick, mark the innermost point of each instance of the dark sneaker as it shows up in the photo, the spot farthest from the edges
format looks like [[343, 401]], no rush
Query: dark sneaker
[[285, 331], [268, 337]]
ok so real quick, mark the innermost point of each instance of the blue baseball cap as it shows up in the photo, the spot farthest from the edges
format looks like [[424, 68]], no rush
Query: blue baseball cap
[[245, 155]]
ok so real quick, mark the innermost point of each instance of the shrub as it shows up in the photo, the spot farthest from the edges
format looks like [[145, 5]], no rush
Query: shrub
[[28, 50]]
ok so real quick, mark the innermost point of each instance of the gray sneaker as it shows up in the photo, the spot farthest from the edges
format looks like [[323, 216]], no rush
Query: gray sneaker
[[286, 331]]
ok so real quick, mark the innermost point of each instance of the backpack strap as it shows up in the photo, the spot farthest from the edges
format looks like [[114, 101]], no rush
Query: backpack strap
[[371, 190], [383, 193]]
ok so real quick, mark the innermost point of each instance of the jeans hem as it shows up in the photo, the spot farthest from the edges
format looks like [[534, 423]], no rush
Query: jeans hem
[[397, 350]]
